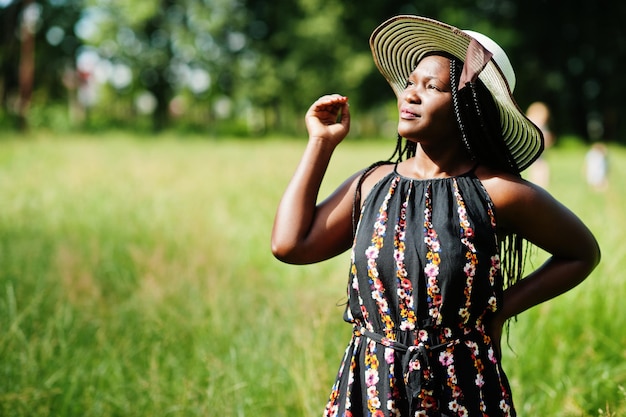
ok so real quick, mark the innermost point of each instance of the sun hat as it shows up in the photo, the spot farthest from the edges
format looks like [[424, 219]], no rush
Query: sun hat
[[399, 43]]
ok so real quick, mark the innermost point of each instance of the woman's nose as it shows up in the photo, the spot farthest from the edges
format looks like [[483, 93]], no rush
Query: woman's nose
[[411, 95]]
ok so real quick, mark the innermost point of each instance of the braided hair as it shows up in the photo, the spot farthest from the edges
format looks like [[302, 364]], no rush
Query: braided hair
[[403, 149], [478, 120]]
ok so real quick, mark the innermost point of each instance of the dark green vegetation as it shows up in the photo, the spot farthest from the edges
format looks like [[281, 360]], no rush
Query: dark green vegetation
[[249, 66]]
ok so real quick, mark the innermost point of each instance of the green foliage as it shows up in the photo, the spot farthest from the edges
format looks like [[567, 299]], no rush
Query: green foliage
[[270, 59], [566, 351], [55, 50], [137, 280]]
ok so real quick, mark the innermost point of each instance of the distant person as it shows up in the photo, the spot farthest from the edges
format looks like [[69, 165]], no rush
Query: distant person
[[436, 238], [597, 166], [539, 171]]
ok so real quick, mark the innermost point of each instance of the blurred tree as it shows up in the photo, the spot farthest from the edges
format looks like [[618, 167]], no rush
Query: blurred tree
[[305, 48], [133, 50], [38, 43], [26, 71], [259, 63], [9, 55], [570, 57], [292, 54], [170, 47]]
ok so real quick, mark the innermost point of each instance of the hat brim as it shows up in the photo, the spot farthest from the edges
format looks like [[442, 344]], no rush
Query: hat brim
[[402, 41]]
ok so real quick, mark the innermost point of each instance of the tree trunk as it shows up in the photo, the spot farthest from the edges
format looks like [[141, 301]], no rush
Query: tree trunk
[[27, 61]]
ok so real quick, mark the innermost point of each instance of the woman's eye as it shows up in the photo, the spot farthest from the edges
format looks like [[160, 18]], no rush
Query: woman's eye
[[408, 84]]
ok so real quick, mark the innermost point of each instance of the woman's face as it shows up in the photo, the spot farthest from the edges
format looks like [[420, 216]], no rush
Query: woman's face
[[425, 106]]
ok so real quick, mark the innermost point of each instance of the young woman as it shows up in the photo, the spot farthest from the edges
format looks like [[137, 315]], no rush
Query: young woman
[[436, 235]]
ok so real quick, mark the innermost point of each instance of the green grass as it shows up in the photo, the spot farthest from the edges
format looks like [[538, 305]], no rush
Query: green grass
[[136, 280]]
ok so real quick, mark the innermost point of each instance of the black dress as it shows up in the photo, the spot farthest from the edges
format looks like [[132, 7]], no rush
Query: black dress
[[425, 274]]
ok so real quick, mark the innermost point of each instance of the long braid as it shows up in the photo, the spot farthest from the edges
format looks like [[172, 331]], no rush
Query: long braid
[[398, 151], [454, 81], [398, 154], [489, 128], [356, 204], [479, 123], [410, 149], [403, 149], [512, 246]]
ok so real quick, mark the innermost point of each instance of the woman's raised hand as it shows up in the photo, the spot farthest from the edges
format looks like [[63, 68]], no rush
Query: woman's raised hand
[[328, 118]]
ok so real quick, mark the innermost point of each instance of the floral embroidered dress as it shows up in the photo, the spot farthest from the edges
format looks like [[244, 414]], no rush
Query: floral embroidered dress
[[425, 272]]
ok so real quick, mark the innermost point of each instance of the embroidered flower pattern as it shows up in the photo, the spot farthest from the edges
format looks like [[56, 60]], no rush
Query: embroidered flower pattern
[[377, 288], [404, 257], [372, 377], [433, 259], [332, 407], [446, 359], [405, 287], [478, 365], [466, 234]]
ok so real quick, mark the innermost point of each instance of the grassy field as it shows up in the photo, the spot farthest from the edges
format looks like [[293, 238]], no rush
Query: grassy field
[[136, 280]]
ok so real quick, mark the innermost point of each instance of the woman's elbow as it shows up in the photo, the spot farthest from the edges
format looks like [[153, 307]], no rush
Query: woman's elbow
[[284, 251], [280, 253], [596, 256], [591, 258]]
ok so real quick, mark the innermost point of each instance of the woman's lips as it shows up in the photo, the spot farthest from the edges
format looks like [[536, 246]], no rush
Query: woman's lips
[[408, 114]]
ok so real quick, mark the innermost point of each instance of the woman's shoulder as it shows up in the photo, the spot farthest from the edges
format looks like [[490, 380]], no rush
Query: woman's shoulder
[[500, 184], [505, 188], [372, 176], [513, 197]]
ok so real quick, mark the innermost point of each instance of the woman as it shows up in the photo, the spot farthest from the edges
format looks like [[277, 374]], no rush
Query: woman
[[436, 239]]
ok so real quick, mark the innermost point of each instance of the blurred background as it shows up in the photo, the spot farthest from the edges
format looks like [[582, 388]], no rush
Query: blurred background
[[145, 144], [253, 66]]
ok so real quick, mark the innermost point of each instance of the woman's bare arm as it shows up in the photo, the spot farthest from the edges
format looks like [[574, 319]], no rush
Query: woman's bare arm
[[306, 232], [534, 214]]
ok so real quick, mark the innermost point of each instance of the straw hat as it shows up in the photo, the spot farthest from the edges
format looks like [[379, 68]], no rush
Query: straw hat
[[399, 43]]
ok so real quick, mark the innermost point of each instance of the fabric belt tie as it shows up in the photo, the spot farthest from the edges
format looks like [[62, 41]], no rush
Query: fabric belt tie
[[416, 363]]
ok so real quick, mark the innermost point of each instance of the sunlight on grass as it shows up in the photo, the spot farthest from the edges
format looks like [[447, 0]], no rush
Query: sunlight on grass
[[137, 280]]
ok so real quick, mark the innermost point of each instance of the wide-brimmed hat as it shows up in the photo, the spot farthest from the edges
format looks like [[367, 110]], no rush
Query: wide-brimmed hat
[[402, 41]]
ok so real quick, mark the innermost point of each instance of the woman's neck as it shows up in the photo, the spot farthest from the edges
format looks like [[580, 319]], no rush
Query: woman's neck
[[430, 163]]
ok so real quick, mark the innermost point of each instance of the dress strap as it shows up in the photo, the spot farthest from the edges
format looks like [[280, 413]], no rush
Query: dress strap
[[356, 203]]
